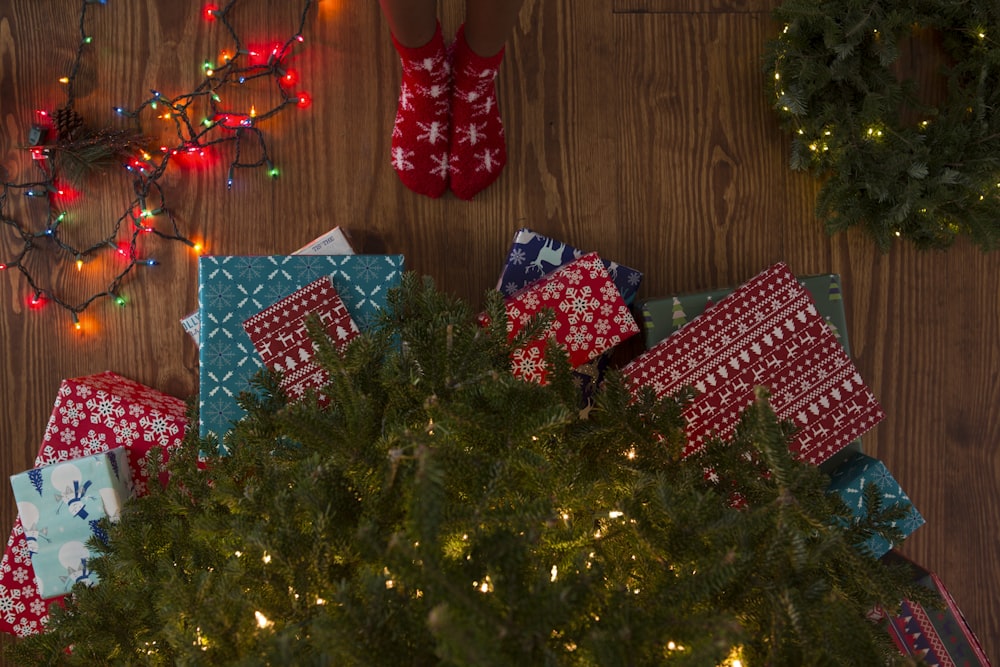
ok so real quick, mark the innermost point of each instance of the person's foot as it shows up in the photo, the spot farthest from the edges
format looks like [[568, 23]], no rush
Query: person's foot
[[478, 151], [422, 129]]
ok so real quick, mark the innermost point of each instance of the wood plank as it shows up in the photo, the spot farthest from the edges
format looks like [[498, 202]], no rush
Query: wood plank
[[637, 128]]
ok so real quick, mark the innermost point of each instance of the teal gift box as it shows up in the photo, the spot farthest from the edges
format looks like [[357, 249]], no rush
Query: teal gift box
[[60, 507], [849, 481], [232, 289]]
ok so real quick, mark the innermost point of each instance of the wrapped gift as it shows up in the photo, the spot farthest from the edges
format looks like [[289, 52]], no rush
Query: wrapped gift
[[334, 242], [60, 506], [849, 482], [280, 336], [590, 316], [533, 256], [663, 316], [767, 332], [232, 289], [938, 634], [91, 414]]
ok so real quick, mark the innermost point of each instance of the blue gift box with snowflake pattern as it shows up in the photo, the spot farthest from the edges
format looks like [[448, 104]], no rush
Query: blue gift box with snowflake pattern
[[60, 507], [533, 256], [232, 289], [849, 481]]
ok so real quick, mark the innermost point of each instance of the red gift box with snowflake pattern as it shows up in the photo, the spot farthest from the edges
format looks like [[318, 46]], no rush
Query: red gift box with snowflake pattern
[[92, 414], [590, 316], [766, 333]]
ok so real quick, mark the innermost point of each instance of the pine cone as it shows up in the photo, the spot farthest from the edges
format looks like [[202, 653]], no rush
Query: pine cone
[[68, 124]]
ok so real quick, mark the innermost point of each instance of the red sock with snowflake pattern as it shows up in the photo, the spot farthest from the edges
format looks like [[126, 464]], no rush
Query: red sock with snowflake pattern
[[422, 128], [478, 150]]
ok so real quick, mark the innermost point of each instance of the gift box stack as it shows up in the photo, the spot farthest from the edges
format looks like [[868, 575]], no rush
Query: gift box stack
[[790, 335], [588, 295], [253, 312], [101, 431]]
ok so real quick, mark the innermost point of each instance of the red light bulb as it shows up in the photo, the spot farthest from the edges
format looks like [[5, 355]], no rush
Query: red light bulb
[[209, 12], [303, 100]]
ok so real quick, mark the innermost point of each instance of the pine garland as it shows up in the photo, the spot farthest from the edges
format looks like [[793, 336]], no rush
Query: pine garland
[[930, 181], [442, 512]]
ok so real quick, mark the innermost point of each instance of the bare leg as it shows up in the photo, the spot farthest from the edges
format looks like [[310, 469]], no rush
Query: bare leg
[[489, 23], [412, 22]]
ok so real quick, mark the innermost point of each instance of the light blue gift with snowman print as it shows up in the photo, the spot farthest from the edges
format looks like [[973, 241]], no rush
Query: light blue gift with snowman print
[[60, 506]]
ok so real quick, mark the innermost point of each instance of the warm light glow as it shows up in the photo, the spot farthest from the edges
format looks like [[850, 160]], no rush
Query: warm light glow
[[303, 100], [554, 573], [266, 558], [64, 79], [262, 620]]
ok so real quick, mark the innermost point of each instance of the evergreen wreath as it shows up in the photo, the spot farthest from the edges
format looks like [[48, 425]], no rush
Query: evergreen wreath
[[929, 180]]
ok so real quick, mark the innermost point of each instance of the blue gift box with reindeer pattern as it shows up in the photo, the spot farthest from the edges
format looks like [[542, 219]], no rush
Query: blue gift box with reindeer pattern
[[533, 256], [61, 506]]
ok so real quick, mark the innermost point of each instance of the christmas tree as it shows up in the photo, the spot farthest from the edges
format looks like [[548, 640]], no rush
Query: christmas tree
[[440, 511]]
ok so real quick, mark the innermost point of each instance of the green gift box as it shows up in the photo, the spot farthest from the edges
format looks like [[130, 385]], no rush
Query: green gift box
[[664, 316], [60, 507]]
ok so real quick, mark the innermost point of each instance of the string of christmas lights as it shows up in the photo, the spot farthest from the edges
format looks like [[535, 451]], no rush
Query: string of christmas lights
[[63, 148]]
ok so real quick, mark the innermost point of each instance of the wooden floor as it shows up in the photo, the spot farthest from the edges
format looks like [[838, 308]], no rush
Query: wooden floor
[[637, 128]]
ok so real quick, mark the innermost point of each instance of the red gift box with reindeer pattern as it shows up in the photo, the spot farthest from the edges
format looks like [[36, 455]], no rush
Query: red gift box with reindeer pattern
[[766, 333], [91, 415]]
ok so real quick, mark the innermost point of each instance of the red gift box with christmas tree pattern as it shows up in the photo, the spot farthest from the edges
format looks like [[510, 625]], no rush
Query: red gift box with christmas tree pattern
[[280, 336], [92, 414], [766, 333], [590, 316]]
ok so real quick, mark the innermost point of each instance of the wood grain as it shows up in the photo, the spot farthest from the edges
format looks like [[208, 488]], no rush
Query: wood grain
[[637, 128]]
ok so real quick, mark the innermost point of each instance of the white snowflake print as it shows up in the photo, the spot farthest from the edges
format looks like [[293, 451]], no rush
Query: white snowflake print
[[440, 168], [606, 309], [25, 628], [435, 92], [485, 107], [397, 127], [579, 304], [72, 413], [488, 160], [136, 410], [66, 436], [511, 288], [401, 159], [20, 552], [531, 301], [609, 292], [5, 566], [528, 363], [579, 337], [20, 575], [552, 290], [634, 278], [517, 257], [104, 409], [432, 132], [10, 603], [83, 391], [572, 276], [37, 606], [471, 134], [126, 432], [625, 321], [602, 327], [404, 97], [158, 428], [94, 443]]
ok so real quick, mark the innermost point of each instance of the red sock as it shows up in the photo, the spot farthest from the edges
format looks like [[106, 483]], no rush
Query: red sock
[[420, 134], [478, 151]]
